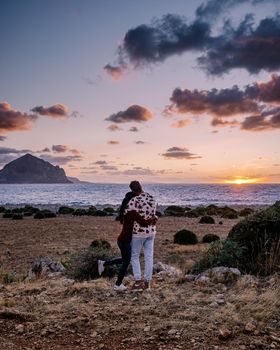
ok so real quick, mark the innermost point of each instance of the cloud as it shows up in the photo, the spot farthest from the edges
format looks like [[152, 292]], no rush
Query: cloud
[[46, 149], [223, 102], [113, 142], [134, 113], [133, 129], [2, 138], [140, 142], [7, 150], [60, 148], [13, 120], [137, 171], [100, 162], [61, 160], [115, 72], [253, 48], [211, 9], [56, 111], [258, 103], [109, 167], [179, 153], [114, 127], [180, 123]]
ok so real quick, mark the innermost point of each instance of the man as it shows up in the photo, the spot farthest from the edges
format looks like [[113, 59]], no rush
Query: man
[[142, 237]]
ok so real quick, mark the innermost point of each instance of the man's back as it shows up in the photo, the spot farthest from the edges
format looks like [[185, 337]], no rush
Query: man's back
[[145, 205]]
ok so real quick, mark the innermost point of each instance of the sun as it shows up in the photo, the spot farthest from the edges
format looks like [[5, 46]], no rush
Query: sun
[[238, 180]]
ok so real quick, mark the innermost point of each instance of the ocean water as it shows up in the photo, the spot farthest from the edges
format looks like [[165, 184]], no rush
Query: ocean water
[[166, 194]]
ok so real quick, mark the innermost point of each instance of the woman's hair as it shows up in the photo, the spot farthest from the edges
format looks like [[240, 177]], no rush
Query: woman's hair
[[125, 201]]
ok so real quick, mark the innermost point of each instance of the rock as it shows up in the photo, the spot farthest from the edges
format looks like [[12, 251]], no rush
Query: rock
[[19, 328], [190, 277], [202, 279], [147, 329], [224, 333], [221, 274], [162, 268], [172, 331], [249, 327], [45, 266], [214, 304]]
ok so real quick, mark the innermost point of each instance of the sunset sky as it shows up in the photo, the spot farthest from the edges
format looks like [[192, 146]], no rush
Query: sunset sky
[[159, 90]]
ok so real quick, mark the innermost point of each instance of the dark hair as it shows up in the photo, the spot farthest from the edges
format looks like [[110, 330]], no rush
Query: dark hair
[[125, 201], [135, 186]]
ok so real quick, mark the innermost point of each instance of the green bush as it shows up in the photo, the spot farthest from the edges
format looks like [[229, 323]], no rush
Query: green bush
[[185, 237], [174, 210], [246, 212], [8, 215], [100, 244], [2, 209], [29, 208], [100, 213], [206, 219], [27, 213], [65, 210], [17, 217], [83, 265], [209, 238], [7, 277], [259, 235], [195, 213], [228, 213], [39, 215], [220, 253], [44, 214], [80, 212], [212, 209], [109, 210]]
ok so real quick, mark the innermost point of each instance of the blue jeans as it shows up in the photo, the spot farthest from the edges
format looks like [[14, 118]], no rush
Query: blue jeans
[[136, 246]]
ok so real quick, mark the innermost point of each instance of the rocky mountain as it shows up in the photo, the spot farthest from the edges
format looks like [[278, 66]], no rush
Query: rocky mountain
[[29, 170]]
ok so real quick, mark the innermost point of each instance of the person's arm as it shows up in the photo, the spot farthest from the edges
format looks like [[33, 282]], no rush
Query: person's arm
[[140, 220]]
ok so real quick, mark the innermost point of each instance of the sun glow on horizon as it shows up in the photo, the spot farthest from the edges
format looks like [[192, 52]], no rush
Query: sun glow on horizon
[[238, 180]]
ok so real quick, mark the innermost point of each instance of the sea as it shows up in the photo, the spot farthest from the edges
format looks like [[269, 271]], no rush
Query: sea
[[85, 194]]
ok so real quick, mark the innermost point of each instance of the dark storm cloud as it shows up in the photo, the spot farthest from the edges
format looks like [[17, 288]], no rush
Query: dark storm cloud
[[222, 122], [100, 162], [179, 153], [2, 138], [134, 113], [250, 47], [140, 142], [13, 120], [114, 127], [56, 111]]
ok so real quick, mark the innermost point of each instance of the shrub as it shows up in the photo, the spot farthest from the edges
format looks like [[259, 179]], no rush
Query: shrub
[[185, 237], [39, 215], [100, 213], [246, 212], [83, 265], [158, 214], [100, 244], [259, 235], [206, 219], [17, 217], [91, 211], [220, 253], [17, 210], [212, 209], [109, 210], [7, 277], [27, 213], [7, 215], [220, 223], [80, 212], [2, 209], [228, 213], [209, 238], [174, 210], [29, 208], [195, 213], [66, 210]]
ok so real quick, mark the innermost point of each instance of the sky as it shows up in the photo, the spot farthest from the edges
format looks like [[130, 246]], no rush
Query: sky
[[155, 90]]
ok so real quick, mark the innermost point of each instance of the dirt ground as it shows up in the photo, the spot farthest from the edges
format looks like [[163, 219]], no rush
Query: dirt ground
[[60, 314]]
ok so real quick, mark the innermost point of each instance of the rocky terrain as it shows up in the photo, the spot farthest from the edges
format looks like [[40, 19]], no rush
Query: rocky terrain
[[215, 310]]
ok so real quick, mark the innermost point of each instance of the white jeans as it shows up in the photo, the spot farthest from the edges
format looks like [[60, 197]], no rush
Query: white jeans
[[148, 245]]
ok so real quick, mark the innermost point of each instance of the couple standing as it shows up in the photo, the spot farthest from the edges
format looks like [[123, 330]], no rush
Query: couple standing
[[138, 219]]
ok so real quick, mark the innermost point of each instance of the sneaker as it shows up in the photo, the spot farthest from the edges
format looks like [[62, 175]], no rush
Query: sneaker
[[119, 288], [101, 267], [137, 287], [147, 285]]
